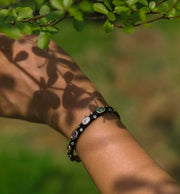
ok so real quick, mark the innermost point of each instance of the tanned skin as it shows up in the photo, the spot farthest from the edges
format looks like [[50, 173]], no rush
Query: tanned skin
[[47, 86]]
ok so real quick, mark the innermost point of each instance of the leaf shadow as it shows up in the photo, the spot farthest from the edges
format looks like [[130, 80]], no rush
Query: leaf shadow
[[48, 96]]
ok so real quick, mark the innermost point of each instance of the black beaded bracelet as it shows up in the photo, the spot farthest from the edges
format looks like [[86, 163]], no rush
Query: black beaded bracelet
[[84, 124]]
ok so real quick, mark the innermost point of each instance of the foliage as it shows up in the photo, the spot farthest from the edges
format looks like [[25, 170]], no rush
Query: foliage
[[26, 173], [42, 16]]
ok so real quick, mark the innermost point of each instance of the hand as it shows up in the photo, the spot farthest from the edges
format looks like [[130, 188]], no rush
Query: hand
[[44, 85]]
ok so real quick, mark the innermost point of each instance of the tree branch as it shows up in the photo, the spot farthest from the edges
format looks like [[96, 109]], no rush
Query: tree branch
[[160, 2], [102, 17], [173, 6], [34, 18], [50, 23], [150, 21], [58, 21]]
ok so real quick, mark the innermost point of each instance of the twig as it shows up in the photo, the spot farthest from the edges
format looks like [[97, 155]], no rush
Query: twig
[[55, 22], [46, 25], [58, 21], [150, 21], [173, 17], [160, 2], [34, 18], [118, 26], [50, 23], [102, 17], [173, 6]]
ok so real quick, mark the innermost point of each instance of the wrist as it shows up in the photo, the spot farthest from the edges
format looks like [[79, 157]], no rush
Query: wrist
[[75, 105], [87, 121]]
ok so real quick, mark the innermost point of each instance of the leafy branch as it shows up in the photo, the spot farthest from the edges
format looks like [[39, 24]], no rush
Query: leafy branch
[[34, 18], [160, 2], [43, 16]]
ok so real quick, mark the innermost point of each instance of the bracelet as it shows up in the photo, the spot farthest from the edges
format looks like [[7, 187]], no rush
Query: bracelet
[[84, 124]]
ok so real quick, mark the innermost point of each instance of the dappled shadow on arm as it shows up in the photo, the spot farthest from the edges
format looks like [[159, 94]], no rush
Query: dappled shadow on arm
[[133, 184], [56, 68], [7, 82]]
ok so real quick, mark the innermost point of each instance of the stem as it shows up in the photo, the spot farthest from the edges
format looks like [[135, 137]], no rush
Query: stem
[[118, 26], [54, 22], [46, 25], [34, 18], [173, 6], [58, 21], [174, 17], [150, 21], [160, 2], [96, 17]]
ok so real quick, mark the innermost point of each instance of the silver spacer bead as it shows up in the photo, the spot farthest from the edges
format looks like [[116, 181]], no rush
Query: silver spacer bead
[[86, 120]]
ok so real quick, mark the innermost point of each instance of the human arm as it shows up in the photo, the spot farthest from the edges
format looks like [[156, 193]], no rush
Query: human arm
[[48, 87]]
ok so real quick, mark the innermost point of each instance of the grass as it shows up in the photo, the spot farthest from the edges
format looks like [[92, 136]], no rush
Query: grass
[[138, 74], [27, 172], [27, 169]]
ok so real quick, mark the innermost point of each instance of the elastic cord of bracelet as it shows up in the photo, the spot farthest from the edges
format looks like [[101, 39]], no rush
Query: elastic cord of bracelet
[[84, 124]]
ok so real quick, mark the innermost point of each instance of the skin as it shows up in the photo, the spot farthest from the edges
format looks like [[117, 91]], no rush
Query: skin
[[48, 87]]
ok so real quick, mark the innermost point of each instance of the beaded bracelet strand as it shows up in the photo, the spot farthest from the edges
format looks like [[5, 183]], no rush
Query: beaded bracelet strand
[[84, 124]]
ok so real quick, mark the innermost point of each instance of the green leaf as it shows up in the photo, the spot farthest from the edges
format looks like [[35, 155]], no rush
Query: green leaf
[[67, 3], [131, 2], [134, 8], [24, 13], [118, 3], [14, 13], [100, 8], [178, 7], [57, 4], [108, 26], [143, 2], [152, 5], [108, 5], [128, 29], [4, 13], [6, 2], [43, 39], [122, 9], [39, 2], [25, 28], [171, 13], [55, 15], [10, 30], [44, 10], [77, 14], [156, 9], [52, 29], [78, 25], [142, 14], [165, 6], [85, 6], [111, 16]]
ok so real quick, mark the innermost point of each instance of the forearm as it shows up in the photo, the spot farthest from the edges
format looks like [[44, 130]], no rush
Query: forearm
[[118, 164], [111, 155]]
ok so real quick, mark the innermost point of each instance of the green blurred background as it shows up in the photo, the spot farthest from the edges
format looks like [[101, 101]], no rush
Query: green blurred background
[[139, 74]]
